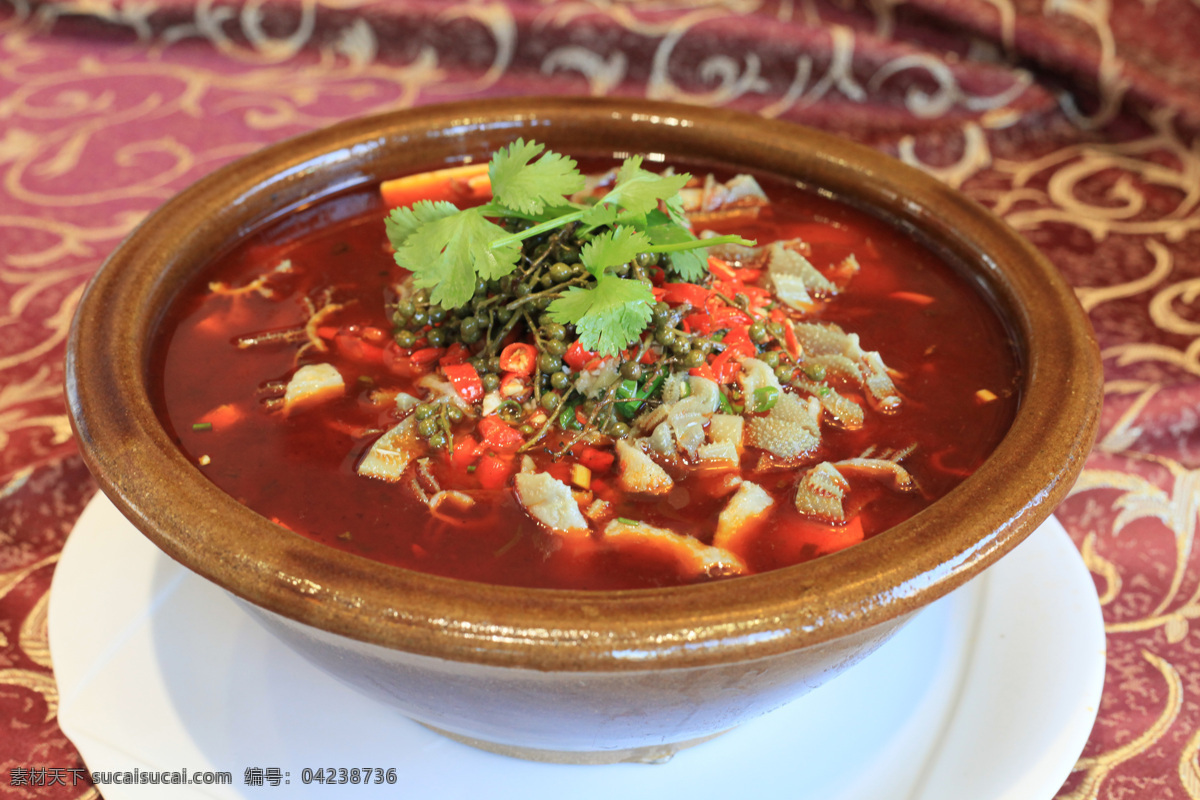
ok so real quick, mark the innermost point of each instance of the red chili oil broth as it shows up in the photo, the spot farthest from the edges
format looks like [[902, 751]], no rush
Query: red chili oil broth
[[939, 335]]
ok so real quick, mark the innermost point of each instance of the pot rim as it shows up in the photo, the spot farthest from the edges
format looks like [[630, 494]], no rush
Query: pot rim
[[196, 523]]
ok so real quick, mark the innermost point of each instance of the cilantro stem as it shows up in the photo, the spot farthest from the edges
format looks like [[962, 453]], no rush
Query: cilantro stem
[[494, 341], [695, 243], [550, 419], [553, 291], [548, 225]]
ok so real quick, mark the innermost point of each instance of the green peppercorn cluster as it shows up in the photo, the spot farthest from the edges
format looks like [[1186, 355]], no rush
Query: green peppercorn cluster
[[436, 420], [516, 304]]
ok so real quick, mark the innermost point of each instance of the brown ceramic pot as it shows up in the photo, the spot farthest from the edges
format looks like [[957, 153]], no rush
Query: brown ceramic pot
[[579, 676]]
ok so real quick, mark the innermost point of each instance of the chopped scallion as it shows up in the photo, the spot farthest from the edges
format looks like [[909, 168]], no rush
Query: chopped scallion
[[202, 426]]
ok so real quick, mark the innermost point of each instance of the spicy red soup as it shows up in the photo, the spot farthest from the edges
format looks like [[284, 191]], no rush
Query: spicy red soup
[[796, 396]]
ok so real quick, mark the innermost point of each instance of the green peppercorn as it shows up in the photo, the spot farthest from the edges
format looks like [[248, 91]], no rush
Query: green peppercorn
[[646, 260], [424, 411], [405, 338], [784, 372], [631, 370], [549, 363], [556, 331], [454, 412], [776, 329], [666, 337], [569, 253], [491, 381], [526, 429], [436, 337], [560, 272], [469, 330], [556, 347], [419, 319], [405, 308], [436, 314], [758, 332], [693, 359], [550, 401], [770, 358], [427, 427], [438, 440], [560, 380], [681, 346], [618, 430]]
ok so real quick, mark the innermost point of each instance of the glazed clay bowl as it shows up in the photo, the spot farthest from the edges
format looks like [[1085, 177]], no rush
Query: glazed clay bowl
[[573, 675]]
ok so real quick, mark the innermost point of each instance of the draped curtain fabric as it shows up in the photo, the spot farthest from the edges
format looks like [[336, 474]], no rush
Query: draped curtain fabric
[[1074, 120]]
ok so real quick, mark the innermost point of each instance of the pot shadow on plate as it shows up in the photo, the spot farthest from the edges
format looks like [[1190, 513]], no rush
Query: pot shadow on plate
[[247, 701]]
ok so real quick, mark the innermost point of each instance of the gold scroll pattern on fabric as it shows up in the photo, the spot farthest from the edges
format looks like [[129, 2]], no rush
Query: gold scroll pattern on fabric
[[33, 642]]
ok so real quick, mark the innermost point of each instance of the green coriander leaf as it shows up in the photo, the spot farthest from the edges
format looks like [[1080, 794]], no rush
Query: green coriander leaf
[[638, 191], [527, 186], [598, 216], [612, 249], [403, 222], [657, 217], [608, 317], [674, 206], [450, 253], [691, 265], [567, 213]]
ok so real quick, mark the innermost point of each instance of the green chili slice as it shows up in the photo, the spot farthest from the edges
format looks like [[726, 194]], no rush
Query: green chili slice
[[765, 398]]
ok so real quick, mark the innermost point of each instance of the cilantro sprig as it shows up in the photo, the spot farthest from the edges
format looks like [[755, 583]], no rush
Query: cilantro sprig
[[449, 250]]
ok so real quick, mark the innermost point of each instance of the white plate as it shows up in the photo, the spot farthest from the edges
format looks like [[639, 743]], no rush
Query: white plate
[[989, 694]]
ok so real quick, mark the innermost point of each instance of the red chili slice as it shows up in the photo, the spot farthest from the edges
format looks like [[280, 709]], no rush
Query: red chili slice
[[577, 358], [465, 381], [493, 472], [519, 358], [499, 434]]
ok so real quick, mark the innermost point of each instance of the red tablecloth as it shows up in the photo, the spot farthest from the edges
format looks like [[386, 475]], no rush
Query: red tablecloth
[[1075, 120]]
